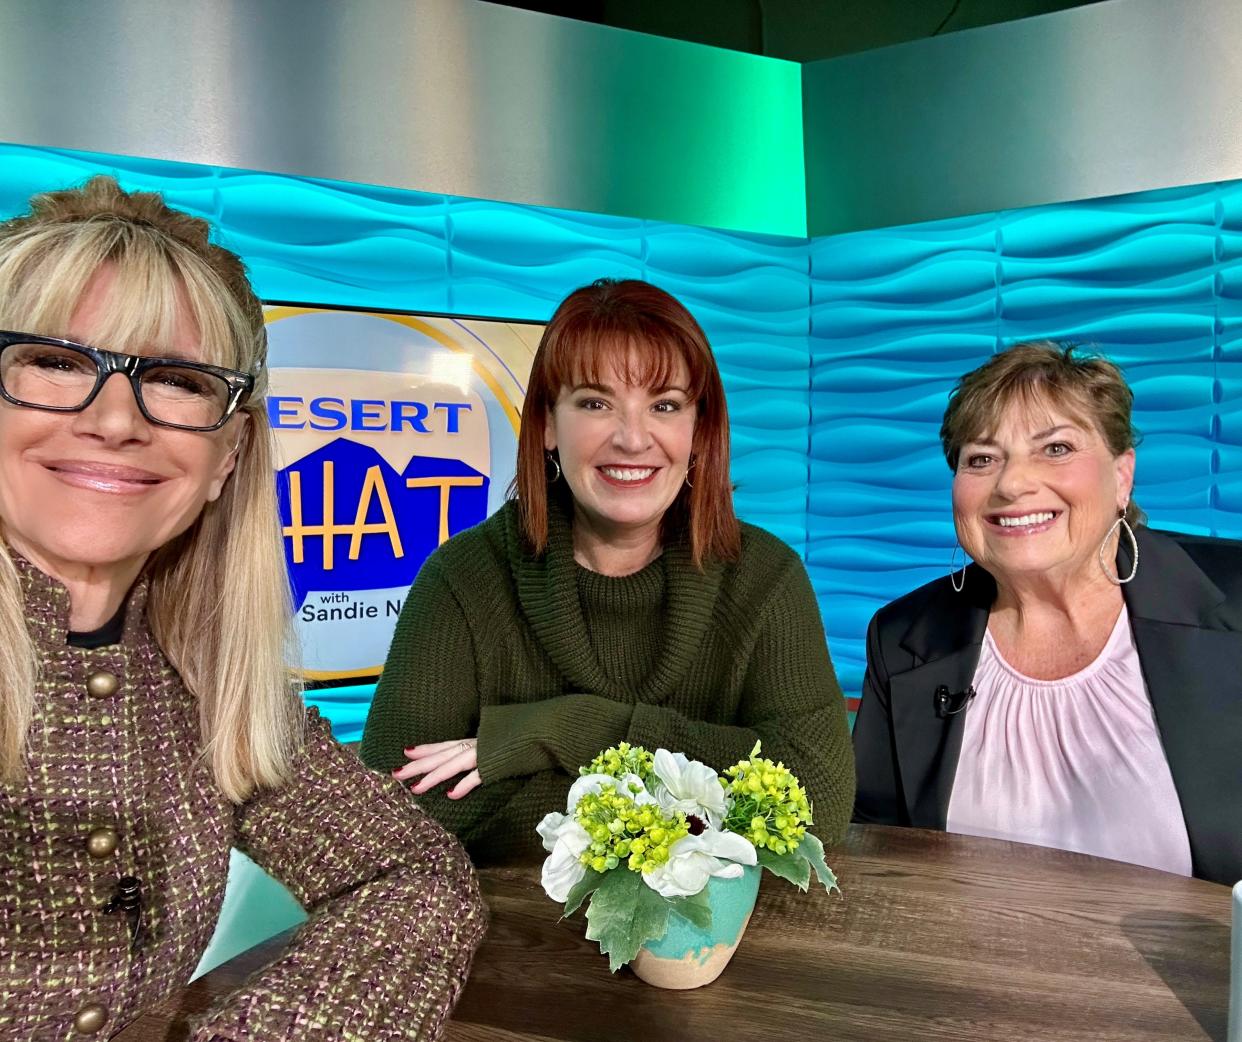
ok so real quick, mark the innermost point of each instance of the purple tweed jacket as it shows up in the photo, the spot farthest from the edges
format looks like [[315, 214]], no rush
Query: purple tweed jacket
[[116, 787]]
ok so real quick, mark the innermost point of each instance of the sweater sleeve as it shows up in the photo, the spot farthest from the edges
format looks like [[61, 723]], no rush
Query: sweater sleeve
[[429, 693], [395, 909], [560, 733], [791, 702]]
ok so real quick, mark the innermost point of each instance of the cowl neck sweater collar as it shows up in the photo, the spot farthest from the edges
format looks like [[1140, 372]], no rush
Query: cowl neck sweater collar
[[548, 591]]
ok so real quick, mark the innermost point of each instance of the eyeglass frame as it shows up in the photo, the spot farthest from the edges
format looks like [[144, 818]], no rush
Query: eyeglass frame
[[108, 363]]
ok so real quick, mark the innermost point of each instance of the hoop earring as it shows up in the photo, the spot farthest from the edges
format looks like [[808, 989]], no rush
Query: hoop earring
[[1121, 521], [693, 461], [549, 458], [958, 587]]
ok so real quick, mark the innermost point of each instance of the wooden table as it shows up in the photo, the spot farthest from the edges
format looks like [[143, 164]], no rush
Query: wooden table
[[935, 936]]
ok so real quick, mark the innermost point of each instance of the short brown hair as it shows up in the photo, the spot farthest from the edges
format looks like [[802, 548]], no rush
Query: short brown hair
[[1086, 386], [638, 326]]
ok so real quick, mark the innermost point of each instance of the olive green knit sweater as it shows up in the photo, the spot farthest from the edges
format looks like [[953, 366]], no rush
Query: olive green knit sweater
[[548, 663]]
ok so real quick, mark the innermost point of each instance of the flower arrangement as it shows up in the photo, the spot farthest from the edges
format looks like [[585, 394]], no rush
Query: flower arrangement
[[643, 834]]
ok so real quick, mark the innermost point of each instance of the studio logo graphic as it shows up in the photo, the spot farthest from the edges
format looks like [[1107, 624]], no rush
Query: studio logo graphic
[[394, 433]]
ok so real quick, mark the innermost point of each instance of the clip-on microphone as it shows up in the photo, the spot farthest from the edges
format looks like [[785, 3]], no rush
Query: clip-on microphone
[[950, 703]]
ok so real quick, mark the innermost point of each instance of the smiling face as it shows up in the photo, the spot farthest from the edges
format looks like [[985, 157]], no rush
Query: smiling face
[[1038, 496], [103, 488], [624, 450]]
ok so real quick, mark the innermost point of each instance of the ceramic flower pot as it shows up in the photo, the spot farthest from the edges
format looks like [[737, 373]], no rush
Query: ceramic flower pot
[[688, 957]]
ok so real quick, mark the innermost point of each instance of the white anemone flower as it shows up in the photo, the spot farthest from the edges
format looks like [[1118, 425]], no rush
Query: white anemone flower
[[693, 860], [566, 840], [690, 787], [590, 784]]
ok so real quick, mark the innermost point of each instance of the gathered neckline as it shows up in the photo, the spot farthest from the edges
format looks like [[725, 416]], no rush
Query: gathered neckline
[[1078, 676]]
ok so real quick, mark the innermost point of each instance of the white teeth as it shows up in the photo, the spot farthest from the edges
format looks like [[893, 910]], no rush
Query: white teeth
[[1024, 520], [628, 473]]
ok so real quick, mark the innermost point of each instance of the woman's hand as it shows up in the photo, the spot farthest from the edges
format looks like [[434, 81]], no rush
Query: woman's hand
[[439, 761]]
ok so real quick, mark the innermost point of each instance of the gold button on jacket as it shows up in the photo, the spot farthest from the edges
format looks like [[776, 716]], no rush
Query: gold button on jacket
[[102, 684], [90, 1019], [102, 842]]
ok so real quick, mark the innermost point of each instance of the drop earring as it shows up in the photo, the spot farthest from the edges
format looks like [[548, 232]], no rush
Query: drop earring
[[953, 571], [1124, 525]]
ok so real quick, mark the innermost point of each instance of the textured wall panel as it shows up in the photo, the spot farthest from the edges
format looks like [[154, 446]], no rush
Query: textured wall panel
[[837, 354], [1154, 280], [750, 294], [332, 243]]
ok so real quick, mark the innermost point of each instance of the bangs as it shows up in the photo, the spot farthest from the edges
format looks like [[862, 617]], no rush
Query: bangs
[[630, 331], [156, 288], [1033, 397], [650, 357]]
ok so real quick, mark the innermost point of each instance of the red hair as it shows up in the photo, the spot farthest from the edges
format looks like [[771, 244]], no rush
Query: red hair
[[641, 332]]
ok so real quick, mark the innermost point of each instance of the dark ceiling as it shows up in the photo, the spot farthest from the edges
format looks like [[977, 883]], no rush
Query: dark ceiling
[[797, 30]]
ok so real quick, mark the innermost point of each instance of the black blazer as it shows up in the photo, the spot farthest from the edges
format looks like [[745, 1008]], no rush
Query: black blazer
[[1185, 608]]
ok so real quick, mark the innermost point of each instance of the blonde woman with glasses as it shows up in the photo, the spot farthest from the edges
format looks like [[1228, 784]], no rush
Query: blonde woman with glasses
[[147, 718]]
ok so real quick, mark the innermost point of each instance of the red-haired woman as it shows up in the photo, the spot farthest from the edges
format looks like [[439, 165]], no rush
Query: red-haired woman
[[616, 598]]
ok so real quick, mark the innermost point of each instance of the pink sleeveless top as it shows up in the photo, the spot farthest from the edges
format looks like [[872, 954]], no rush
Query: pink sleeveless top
[[1074, 763]]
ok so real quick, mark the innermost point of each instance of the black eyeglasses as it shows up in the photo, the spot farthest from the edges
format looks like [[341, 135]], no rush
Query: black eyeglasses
[[42, 372]]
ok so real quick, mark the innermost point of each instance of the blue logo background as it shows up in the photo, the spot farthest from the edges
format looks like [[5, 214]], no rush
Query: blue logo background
[[415, 511]]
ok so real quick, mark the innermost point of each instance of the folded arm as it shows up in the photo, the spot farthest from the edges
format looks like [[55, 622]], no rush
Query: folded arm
[[395, 909], [791, 701]]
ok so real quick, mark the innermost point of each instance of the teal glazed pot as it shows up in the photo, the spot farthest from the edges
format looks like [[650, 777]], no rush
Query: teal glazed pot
[[688, 957]]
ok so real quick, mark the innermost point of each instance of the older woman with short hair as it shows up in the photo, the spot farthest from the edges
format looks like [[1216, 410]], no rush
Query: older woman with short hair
[[148, 722], [1077, 686], [617, 598]]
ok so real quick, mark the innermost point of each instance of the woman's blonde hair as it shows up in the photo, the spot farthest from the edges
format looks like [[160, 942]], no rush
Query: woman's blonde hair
[[1041, 373], [219, 594]]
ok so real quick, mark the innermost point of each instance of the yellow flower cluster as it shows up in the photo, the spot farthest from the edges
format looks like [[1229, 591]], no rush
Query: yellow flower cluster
[[621, 759], [770, 807], [623, 832]]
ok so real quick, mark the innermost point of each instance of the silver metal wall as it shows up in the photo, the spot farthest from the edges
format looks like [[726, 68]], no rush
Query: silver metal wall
[[1114, 97], [474, 99], [451, 96]]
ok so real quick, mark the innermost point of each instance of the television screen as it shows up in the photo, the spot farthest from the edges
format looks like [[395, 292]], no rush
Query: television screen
[[394, 431]]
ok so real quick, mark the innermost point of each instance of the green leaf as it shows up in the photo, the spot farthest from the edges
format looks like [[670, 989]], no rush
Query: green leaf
[[625, 914], [697, 908], [813, 850], [792, 866], [581, 890]]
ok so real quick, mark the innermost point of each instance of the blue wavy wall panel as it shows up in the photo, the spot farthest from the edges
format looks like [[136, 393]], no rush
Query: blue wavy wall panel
[[1154, 280], [1227, 486], [334, 243], [846, 346], [750, 294], [380, 248]]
